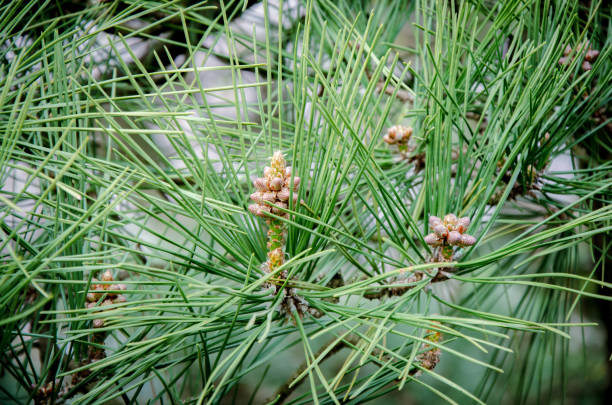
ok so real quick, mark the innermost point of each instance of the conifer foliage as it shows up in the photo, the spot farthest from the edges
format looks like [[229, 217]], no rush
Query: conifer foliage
[[305, 201]]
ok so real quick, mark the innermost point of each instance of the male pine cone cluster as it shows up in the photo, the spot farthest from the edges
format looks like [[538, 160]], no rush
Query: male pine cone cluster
[[589, 57], [398, 134], [449, 231], [111, 297], [274, 188]]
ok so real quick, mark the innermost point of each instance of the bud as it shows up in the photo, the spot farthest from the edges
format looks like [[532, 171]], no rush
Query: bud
[[257, 197], [467, 240], [254, 209], [433, 221], [586, 66], [269, 196], [563, 60], [98, 323], [119, 299], [398, 134], [267, 171], [567, 50], [92, 297], [432, 240], [407, 132], [275, 210], [450, 219], [296, 182], [260, 184], [462, 224], [107, 276], [288, 171], [440, 230], [283, 195], [454, 238], [591, 55], [276, 183]]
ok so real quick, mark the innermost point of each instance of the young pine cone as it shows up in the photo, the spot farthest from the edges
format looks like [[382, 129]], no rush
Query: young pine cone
[[449, 231], [590, 56], [274, 189], [111, 297], [398, 134]]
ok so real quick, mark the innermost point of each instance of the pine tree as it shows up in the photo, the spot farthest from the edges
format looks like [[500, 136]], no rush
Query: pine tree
[[305, 201]]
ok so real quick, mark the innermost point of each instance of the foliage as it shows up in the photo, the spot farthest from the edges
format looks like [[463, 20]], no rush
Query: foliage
[[132, 132]]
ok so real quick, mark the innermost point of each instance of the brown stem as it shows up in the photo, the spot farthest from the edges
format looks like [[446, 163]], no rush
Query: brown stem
[[398, 291]]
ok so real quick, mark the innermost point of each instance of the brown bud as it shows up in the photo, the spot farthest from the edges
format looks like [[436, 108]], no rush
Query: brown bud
[[406, 133], [462, 224], [263, 210], [591, 55], [440, 230], [283, 195], [107, 276], [296, 182], [92, 297], [450, 219], [432, 240], [254, 209], [388, 140], [454, 238], [276, 183], [91, 304], [269, 196], [586, 66], [563, 60], [467, 240], [275, 210], [567, 50], [260, 184], [98, 323], [257, 197], [119, 299], [398, 134]]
